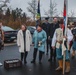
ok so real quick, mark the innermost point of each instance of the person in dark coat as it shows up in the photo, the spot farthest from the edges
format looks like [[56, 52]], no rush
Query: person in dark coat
[[24, 41], [53, 27], [46, 28], [74, 41]]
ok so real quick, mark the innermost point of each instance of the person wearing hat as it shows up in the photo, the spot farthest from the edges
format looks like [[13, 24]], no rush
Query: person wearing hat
[[46, 28], [53, 27], [39, 39], [57, 42]]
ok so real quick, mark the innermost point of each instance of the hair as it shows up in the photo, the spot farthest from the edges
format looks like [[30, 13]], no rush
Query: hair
[[54, 17], [40, 24], [24, 25], [47, 18]]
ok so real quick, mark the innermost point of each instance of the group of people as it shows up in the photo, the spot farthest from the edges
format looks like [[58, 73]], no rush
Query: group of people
[[24, 40], [47, 35]]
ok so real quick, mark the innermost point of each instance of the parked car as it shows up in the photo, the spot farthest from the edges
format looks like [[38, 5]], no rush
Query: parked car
[[31, 29], [9, 34]]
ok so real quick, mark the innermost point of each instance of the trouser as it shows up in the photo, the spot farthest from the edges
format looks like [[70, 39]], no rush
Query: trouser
[[35, 54], [52, 52], [74, 48], [60, 56], [24, 55]]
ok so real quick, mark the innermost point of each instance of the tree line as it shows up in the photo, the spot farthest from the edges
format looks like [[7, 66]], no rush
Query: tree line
[[14, 18]]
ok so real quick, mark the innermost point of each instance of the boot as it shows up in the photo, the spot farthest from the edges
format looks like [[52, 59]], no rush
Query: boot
[[33, 61], [67, 67], [60, 65]]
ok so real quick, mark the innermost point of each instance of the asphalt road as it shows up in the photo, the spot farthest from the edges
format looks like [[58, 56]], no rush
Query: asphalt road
[[11, 52]]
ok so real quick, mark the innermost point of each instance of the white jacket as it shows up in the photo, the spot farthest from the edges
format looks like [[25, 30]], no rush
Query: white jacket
[[20, 40], [69, 38]]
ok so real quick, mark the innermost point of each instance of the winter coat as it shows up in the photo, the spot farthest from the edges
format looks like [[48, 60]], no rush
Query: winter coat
[[39, 36], [20, 40], [46, 28]]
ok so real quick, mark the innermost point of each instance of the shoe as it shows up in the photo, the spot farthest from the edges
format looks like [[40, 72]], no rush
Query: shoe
[[59, 69], [49, 60], [67, 67], [32, 61]]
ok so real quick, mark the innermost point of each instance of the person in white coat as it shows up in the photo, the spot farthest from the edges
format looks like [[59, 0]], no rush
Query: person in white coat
[[24, 40]]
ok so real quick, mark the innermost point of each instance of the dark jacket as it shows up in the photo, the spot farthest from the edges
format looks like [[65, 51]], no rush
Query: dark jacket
[[74, 33], [53, 27], [46, 28]]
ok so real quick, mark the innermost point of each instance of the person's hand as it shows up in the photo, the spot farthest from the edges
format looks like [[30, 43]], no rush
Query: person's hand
[[40, 42], [53, 47], [60, 42], [65, 37]]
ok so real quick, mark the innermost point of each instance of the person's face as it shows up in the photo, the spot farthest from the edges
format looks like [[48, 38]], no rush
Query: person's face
[[55, 20], [71, 24], [23, 27], [60, 25], [39, 29]]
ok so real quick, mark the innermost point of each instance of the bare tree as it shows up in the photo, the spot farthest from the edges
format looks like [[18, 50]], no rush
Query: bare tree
[[72, 13], [32, 8], [53, 10], [3, 3]]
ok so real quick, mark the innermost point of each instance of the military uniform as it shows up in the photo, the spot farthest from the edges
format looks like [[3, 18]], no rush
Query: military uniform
[[57, 42]]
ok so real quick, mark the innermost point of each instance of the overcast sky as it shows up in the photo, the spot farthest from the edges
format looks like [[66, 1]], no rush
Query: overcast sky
[[44, 5]]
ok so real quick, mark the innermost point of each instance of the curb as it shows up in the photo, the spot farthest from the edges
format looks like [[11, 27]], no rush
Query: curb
[[9, 44]]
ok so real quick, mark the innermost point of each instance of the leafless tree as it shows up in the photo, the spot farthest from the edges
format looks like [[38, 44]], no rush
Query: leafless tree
[[32, 8], [72, 13], [3, 3], [53, 10]]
